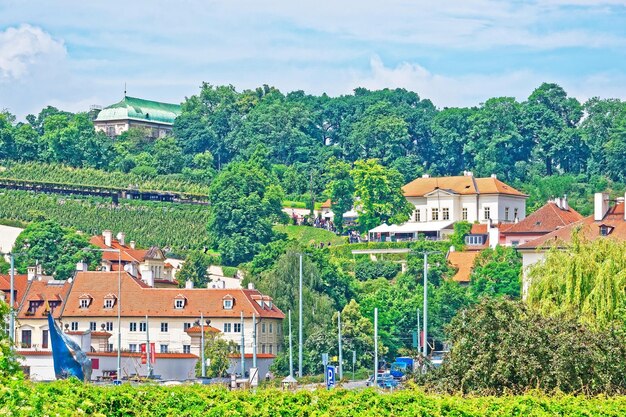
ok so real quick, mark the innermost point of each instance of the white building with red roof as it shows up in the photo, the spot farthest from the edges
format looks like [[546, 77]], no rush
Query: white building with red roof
[[149, 265]]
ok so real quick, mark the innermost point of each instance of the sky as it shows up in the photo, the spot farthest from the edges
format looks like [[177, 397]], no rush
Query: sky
[[73, 54]]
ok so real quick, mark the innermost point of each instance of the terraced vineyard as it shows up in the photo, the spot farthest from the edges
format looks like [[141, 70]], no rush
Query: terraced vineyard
[[179, 226], [61, 174]]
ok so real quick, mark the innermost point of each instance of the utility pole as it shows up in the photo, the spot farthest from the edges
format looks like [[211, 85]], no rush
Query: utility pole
[[425, 304], [12, 303], [243, 350], [340, 350], [253, 340], [300, 324], [376, 347], [290, 349], [202, 358], [419, 338]]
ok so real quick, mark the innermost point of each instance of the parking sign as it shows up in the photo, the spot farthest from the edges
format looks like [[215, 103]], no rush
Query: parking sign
[[330, 377]]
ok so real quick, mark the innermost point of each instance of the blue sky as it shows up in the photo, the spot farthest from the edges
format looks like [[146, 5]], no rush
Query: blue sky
[[456, 52]]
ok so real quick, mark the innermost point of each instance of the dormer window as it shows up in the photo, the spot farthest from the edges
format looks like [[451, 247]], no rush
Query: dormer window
[[179, 302], [605, 230], [84, 302], [109, 301], [227, 302]]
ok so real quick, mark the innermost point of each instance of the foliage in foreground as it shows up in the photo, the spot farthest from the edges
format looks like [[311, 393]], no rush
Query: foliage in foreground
[[68, 398], [587, 282], [502, 346]]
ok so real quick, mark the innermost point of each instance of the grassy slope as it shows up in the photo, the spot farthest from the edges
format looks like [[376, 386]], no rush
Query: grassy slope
[[308, 235]]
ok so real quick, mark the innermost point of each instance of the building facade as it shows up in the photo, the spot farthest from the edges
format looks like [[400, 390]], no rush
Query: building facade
[[156, 118]]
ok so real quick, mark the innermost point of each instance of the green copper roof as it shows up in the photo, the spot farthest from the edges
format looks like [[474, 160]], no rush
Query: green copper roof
[[140, 109]]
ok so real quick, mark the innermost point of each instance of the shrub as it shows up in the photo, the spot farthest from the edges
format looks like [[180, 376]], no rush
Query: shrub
[[366, 269]]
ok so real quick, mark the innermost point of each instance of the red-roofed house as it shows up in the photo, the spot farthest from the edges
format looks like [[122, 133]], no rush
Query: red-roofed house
[[20, 283], [147, 264], [607, 222], [550, 217]]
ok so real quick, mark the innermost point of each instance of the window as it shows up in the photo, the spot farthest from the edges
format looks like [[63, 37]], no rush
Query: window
[[487, 212], [515, 213], [262, 327], [228, 304], [132, 347], [132, 327], [108, 303], [84, 302], [110, 347], [179, 303], [237, 328], [27, 339], [44, 339], [605, 230], [515, 243], [186, 348], [435, 214], [464, 213], [110, 130], [186, 326], [74, 326], [506, 213], [142, 326], [445, 213], [164, 327], [92, 326], [418, 215], [227, 327], [271, 328], [271, 349], [474, 239], [163, 348], [109, 326], [262, 348]]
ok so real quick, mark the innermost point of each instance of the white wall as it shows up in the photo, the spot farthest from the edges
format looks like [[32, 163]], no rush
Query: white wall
[[528, 260], [7, 237]]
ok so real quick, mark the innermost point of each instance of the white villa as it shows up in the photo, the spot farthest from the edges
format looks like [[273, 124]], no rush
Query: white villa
[[441, 201]]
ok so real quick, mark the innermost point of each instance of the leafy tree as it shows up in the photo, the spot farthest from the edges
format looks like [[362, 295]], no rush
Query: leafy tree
[[58, 249], [340, 189], [615, 148], [195, 269], [450, 129], [245, 200], [357, 333], [9, 366], [503, 347], [216, 352], [497, 272], [461, 229], [601, 117], [168, 156], [586, 281], [379, 191]]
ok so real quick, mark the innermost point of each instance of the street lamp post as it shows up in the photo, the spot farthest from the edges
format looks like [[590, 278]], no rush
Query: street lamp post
[[12, 295]]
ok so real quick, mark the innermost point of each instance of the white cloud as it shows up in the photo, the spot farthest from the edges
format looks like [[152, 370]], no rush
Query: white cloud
[[26, 47]]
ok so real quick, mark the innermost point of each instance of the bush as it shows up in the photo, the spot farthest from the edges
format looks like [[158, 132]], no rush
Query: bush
[[366, 269], [501, 346]]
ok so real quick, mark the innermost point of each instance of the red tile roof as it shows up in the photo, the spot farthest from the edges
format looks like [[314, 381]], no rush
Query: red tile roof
[[20, 284], [207, 329], [138, 300], [127, 253], [545, 220], [463, 262], [589, 229], [326, 204], [464, 185], [44, 291]]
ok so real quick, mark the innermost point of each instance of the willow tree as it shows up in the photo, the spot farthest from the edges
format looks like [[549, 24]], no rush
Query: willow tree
[[588, 281]]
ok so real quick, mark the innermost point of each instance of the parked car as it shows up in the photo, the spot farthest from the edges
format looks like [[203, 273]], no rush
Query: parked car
[[437, 358], [384, 380]]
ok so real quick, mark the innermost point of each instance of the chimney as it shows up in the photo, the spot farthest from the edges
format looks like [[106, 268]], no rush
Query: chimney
[[600, 205], [121, 237], [425, 176], [147, 277], [250, 285], [108, 237], [39, 271], [189, 284], [564, 203], [494, 236], [132, 244], [468, 174], [452, 249], [31, 273], [82, 266], [494, 176]]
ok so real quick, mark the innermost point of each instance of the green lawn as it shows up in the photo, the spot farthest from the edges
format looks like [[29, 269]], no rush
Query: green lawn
[[308, 235]]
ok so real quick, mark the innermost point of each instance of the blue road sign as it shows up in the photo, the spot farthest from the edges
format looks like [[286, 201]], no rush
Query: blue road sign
[[330, 377]]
